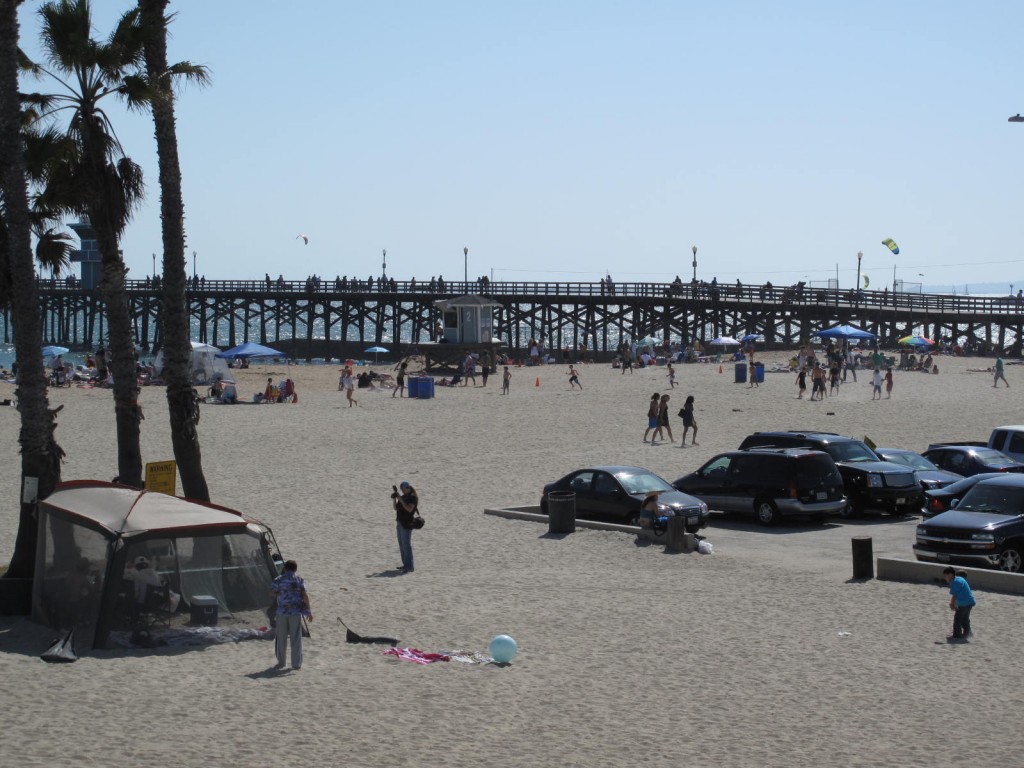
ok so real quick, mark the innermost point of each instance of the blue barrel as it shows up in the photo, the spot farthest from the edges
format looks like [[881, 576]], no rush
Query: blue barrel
[[741, 373], [426, 390], [759, 373], [412, 386]]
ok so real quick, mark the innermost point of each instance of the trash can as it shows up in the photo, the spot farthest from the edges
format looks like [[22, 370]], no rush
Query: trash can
[[561, 512], [412, 386], [741, 373], [863, 559], [426, 388], [759, 373]]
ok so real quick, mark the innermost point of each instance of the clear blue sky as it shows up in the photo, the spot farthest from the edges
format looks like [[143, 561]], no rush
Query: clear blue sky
[[561, 139]]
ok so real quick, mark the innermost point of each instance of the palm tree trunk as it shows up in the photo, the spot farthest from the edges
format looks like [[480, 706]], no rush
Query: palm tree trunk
[[120, 352], [181, 403], [40, 454]]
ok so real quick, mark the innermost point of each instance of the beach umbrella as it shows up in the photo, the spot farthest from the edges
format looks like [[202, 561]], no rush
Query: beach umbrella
[[648, 341], [916, 341], [249, 350], [376, 351], [725, 341], [845, 332], [752, 337], [53, 351]]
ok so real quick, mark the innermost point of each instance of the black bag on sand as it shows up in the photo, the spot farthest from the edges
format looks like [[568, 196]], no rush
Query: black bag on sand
[[62, 651]]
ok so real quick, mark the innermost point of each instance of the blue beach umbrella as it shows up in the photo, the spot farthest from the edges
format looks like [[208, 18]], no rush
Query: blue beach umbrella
[[376, 351], [53, 351], [249, 350], [845, 332]]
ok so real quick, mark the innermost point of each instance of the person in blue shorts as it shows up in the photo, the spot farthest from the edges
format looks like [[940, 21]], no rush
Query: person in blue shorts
[[652, 415], [961, 601]]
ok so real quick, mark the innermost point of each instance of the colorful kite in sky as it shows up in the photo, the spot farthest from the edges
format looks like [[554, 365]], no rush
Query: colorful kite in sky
[[891, 245]]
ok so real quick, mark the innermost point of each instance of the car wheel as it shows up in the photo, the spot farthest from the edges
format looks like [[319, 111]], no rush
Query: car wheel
[[766, 512], [852, 509], [1011, 560]]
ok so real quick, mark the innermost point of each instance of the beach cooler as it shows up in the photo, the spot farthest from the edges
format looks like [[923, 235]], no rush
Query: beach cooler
[[741, 373], [426, 390], [412, 386], [204, 610]]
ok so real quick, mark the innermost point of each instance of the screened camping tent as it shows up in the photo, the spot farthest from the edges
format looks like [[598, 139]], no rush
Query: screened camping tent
[[206, 366], [92, 533]]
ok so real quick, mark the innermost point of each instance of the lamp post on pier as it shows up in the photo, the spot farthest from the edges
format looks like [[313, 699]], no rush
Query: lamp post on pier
[[193, 265], [384, 266], [465, 268], [154, 265], [695, 263]]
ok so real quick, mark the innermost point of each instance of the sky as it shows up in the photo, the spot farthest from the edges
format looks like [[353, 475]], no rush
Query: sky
[[562, 140]]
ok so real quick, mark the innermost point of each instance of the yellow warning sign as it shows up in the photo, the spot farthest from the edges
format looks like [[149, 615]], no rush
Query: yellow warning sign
[[161, 476]]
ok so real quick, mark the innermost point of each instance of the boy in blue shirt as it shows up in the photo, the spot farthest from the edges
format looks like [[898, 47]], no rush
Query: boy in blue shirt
[[960, 602]]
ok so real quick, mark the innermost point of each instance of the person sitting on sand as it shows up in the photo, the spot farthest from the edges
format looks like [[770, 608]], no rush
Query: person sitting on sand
[[216, 390], [288, 393], [229, 394], [271, 393]]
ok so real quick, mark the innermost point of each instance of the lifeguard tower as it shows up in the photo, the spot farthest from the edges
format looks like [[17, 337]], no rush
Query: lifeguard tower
[[467, 325]]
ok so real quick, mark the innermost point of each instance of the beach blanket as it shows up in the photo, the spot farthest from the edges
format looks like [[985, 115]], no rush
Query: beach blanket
[[415, 655]]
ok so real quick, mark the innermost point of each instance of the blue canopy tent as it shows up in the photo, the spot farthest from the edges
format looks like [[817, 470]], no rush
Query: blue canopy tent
[[249, 350], [846, 332]]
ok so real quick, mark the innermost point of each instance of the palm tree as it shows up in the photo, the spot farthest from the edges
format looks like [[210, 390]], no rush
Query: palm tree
[[177, 350], [100, 180], [40, 453]]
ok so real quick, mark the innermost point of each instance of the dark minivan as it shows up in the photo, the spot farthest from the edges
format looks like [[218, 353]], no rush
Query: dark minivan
[[768, 482], [868, 481]]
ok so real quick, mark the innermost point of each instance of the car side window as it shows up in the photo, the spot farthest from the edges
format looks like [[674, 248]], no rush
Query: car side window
[[717, 467], [745, 467], [604, 484], [955, 461], [1016, 443], [582, 482]]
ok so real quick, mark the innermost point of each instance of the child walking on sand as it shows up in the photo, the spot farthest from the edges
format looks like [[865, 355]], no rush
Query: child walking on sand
[[671, 377], [688, 421], [506, 377], [961, 601], [801, 382], [876, 385]]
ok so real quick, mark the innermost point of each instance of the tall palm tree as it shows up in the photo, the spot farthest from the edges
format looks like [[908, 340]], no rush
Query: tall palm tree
[[101, 181], [177, 350], [40, 453]]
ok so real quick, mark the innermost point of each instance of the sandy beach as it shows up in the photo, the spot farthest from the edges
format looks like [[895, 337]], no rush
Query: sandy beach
[[763, 653]]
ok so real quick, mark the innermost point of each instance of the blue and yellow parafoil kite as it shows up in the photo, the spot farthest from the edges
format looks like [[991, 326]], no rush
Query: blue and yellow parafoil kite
[[891, 245]]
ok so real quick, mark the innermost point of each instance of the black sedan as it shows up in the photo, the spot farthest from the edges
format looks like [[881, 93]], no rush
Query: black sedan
[[927, 473], [969, 460], [615, 493], [939, 500]]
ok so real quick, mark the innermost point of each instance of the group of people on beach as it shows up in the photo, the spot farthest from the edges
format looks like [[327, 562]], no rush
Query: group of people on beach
[[658, 420]]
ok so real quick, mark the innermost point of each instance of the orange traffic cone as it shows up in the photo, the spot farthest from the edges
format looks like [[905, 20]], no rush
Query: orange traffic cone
[[538, 382], [719, 369]]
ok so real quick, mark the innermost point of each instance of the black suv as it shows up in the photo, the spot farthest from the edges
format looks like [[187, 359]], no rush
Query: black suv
[[868, 481], [985, 528], [770, 482]]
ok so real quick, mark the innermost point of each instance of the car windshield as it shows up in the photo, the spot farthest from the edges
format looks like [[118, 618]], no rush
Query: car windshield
[[851, 450], [642, 482], [997, 498], [910, 460]]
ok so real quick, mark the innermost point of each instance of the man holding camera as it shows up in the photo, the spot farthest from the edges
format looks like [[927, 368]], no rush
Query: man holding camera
[[405, 503]]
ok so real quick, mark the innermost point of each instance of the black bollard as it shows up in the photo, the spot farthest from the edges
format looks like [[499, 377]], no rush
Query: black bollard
[[863, 559]]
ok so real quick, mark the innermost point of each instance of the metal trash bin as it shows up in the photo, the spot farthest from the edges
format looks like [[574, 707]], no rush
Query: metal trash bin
[[561, 512], [741, 373]]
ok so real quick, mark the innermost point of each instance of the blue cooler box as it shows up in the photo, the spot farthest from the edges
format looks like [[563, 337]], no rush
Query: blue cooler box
[[204, 610]]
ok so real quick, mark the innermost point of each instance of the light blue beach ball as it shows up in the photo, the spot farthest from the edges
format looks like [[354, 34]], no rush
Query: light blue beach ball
[[503, 649]]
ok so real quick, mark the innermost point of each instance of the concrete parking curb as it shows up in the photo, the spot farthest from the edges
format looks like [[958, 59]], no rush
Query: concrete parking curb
[[893, 569]]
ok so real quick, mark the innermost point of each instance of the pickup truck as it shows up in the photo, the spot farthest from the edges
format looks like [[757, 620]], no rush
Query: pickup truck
[[1008, 440]]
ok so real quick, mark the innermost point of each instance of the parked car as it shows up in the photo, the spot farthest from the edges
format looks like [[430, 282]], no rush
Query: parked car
[[938, 500], [768, 482], [986, 527], [970, 459], [616, 493], [868, 481], [927, 473]]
